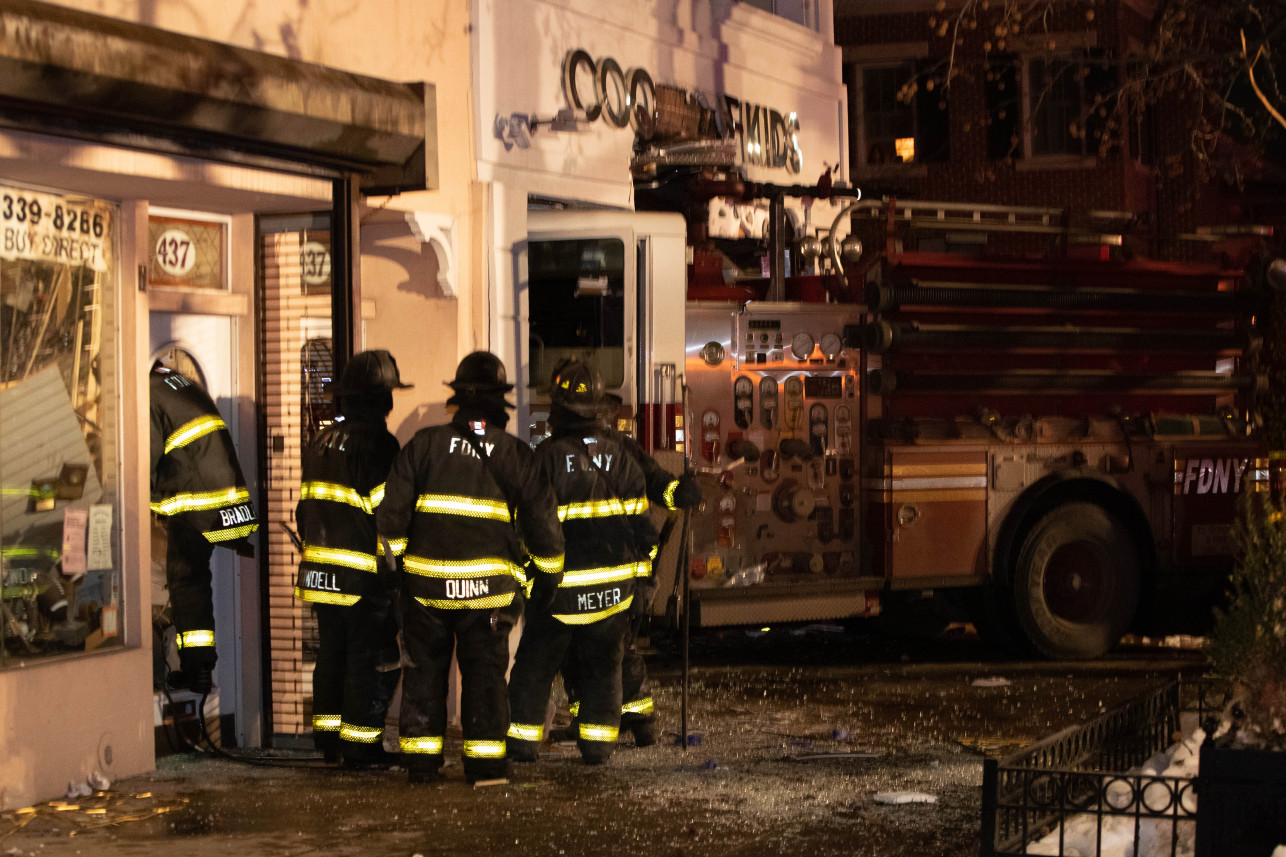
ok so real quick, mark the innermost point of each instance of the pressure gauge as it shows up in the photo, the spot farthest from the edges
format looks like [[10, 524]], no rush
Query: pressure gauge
[[712, 353], [832, 345], [801, 345]]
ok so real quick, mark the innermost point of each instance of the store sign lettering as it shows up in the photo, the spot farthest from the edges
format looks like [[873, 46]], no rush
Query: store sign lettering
[[602, 89], [42, 227]]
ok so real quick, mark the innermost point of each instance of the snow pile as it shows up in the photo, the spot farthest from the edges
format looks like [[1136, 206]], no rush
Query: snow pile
[[1080, 834]]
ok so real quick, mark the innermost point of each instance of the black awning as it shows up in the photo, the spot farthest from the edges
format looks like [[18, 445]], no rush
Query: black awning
[[63, 69]]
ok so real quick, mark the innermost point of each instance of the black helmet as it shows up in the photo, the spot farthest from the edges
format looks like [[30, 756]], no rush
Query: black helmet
[[480, 373], [369, 372], [578, 387]]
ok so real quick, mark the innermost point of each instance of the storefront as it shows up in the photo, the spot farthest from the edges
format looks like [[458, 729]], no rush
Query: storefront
[[164, 197], [573, 94]]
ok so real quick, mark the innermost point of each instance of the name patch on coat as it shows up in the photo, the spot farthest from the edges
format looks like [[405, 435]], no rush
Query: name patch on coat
[[237, 515], [468, 588]]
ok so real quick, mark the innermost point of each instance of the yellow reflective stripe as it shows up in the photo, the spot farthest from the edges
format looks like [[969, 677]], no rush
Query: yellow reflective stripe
[[590, 732], [468, 603], [526, 732], [549, 564], [315, 597], [335, 556], [639, 706], [326, 722], [432, 745], [333, 492], [201, 501], [377, 496], [609, 574], [602, 508], [229, 535], [195, 639], [470, 507], [398, 546], [190, 431], [589, 618], [360, 734], [574, 708], [478, 749], [486, 567], [668, 494]]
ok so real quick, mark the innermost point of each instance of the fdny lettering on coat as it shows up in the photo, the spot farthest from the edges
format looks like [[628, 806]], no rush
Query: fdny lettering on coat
[[601, 462], [324, 581], [588, 602], [468, 588], [1209, 475], [464, 448], [236, 515]]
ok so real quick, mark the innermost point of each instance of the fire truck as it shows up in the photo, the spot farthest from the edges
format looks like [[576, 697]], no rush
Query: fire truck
[[1059, 441]]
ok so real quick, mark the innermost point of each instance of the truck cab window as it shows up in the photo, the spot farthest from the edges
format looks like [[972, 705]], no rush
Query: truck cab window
[[577, 306]]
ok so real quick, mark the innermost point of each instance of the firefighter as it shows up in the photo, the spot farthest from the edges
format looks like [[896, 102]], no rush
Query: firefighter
[[199, 492], [461, 494], [344, 469], [638, 713], [602, 501]]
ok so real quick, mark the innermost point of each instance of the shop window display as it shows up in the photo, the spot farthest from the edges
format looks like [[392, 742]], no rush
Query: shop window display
[[60, 583]]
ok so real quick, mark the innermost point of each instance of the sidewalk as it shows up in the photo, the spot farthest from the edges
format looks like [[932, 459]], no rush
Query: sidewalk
[[792, 761]]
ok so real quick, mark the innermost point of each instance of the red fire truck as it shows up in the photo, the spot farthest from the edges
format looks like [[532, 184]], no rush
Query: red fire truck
[[1059, 440]]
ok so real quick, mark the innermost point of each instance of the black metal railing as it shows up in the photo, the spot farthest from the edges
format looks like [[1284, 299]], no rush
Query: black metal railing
[[1084, 783]]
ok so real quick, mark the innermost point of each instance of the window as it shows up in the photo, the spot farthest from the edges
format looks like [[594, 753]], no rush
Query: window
[[60, 575], [899, 113], [1043, 106], [577, 306], [802, 12]]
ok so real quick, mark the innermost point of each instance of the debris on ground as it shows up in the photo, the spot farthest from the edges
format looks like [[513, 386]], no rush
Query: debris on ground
[[904, 797]]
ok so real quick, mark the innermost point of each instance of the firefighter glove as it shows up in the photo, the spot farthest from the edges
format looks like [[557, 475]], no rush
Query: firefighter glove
[[543, 592], [687, 494]]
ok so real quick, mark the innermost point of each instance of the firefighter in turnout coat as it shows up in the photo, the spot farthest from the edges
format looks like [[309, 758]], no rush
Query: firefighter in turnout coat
[[664, 490], [199, 492], [344, 469], [461, 494], [603, 505]]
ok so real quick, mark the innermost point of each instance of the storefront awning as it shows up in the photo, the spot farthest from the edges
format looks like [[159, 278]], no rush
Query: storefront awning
[[73, 73]]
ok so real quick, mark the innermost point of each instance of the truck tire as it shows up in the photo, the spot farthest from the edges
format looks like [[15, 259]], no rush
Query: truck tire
[[1076, 582]]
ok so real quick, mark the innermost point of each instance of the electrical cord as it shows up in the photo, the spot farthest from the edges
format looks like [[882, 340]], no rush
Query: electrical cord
[[308, 761]]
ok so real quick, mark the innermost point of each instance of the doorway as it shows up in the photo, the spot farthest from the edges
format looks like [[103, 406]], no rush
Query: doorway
[[201, 347]]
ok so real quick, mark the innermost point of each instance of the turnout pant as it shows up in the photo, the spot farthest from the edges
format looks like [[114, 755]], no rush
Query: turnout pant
[[637, 709], [594, 651], [187, 575], [350, 692], [480, 640]]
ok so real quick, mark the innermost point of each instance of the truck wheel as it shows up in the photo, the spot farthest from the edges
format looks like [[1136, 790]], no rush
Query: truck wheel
[[1076, 582]]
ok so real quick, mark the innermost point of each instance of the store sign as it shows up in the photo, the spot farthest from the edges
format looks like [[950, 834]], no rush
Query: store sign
[[602, 89], [63, 230]]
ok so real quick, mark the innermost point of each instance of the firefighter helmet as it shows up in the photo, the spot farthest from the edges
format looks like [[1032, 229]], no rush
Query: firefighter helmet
[[480, 373], [578, 387], [369, 372]]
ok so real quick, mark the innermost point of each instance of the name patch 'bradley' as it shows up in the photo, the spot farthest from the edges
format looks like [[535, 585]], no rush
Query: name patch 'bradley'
[[236, 515], [591, 601]]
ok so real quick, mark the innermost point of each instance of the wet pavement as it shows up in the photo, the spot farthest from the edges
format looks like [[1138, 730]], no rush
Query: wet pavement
[[809, 740]]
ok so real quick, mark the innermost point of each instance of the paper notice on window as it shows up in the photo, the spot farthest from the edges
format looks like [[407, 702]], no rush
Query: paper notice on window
[[100, 536], [75, 522]]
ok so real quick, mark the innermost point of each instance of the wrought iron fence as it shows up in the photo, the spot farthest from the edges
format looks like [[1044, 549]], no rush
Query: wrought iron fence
[[1084, 783]]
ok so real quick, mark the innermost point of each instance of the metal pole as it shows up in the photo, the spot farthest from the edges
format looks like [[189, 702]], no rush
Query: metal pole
[[684, 564]]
